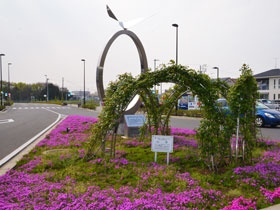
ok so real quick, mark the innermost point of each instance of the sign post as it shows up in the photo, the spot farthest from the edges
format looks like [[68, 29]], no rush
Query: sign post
[[162, 144]]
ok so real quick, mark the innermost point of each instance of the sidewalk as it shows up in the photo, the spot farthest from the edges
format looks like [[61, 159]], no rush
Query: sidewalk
[[275, 207]]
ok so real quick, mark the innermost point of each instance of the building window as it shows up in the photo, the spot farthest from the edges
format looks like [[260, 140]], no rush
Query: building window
[[279, 83], [274, 83], [264, 96], [279, 96], [263, 84], [274, 96]]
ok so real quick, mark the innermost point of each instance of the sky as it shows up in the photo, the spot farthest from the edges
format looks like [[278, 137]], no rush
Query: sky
[[50, 37]]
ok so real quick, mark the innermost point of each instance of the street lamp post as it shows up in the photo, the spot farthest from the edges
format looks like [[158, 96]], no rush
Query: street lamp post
[[217, 71], [176, 26], [47, 84], [84, 80], [62, 89], [9, 86], [1, 93]]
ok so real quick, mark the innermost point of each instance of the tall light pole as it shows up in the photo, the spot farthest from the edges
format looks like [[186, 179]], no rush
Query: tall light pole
[[47, 84], [9, 87], [1, 93], [217, 71], [176, 26], [84, 80], [62, 89], [155, 65]]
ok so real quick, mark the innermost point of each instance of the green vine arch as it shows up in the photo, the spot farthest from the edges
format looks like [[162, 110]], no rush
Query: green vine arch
[[216, 129], [121, 93]]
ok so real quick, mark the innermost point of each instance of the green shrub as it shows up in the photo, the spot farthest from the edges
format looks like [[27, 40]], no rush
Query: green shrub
[[194, 113], [2, 107], [90, 105], [188, 113], [58, 102], [8, 103]]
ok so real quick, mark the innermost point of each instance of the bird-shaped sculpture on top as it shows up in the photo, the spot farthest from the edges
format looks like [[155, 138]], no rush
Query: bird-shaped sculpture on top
[[142, 55], [127, 24]]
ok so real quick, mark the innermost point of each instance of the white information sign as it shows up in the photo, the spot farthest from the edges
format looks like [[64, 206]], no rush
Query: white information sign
[[162, 143]]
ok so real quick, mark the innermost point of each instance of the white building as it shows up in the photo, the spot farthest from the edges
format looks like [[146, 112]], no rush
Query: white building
[[79, 94], [269, 84]]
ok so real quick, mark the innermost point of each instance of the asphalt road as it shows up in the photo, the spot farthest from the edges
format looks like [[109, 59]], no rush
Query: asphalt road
[[193, 123], [23, 121], [27, 120], [26, 124]]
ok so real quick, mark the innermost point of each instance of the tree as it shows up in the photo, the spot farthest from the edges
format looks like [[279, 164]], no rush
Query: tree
[[54, 92], [37, 91], [23, 92]]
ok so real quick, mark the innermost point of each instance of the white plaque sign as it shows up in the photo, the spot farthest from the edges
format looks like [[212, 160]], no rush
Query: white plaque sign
[[162, 143]]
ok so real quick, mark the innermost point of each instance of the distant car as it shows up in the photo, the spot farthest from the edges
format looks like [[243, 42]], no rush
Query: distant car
[[271, 104], [222, 102], [264, 115], [182, 104]]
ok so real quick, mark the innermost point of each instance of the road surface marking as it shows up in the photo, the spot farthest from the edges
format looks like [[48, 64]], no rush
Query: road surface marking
[[22, 147], [6, 121], [55, 112], [53, 107]]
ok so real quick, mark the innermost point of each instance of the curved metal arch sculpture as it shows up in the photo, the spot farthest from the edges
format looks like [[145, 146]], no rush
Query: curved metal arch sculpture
[[100, 66]]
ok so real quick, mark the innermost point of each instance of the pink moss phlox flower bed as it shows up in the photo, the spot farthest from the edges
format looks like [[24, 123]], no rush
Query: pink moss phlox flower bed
[[76, 126], [32, 191], [179, 131], [26, 188], [184, 131]]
